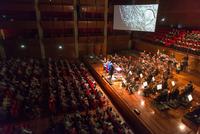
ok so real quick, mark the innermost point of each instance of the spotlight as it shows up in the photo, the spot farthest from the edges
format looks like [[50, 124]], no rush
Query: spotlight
[[163, 19], [181, 126], [60, 47], [22, 46], [173, 83]]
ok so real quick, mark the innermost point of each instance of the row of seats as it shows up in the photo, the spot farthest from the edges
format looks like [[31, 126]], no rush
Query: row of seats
[[181, 39]]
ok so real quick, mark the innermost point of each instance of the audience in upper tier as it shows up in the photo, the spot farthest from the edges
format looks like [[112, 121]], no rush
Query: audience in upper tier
[[181, 39]]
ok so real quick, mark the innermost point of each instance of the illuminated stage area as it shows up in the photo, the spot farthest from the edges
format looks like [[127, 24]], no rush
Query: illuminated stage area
[[147, 110]]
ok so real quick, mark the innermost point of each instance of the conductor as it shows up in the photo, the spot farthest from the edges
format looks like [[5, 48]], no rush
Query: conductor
[[111, 70]]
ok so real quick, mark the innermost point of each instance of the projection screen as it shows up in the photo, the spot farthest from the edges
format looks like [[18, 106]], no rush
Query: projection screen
[[135, 17]]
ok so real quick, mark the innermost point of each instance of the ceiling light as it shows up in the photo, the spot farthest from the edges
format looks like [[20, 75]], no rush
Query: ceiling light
[[22, 46], [60, 47], [4, 16], [163, 19]]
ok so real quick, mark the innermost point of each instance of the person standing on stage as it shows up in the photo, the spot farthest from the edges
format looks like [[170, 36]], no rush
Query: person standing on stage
[[111, 71]]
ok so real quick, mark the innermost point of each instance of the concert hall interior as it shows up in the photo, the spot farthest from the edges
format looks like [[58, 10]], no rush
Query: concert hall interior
[[99, 67]]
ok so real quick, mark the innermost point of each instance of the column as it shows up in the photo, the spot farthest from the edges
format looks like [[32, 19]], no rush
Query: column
[[2, 50], [40, 30], [104, 48], [76, 30]]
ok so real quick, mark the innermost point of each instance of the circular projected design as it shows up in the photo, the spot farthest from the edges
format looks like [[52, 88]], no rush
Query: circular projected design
[[139, 17]]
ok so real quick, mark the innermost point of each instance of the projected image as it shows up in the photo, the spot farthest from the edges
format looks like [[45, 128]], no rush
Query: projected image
[[135, 17]]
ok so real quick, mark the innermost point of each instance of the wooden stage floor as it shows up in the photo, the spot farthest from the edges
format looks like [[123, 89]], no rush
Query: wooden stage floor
[[150, 119]]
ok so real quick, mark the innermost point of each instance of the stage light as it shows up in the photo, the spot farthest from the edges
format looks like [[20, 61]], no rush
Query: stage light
[[159, 86], [181, 126], [142, 103], [141, 75], [60, 47], [153, 79], [190, 98], [22, 46], [163, 19], [173, 83]]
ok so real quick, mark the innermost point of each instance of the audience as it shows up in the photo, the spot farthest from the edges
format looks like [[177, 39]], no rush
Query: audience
[[71, 89], [181, 39], [20, 88]]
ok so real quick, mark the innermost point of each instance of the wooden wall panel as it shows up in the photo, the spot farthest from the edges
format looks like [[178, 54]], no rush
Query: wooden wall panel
[[32, 49], [183, 12], [92, 2], [56, 8], [57, 24], [16, 7], [91, 24], [90, 45], [18, 25], [51, 47], [117, 43]]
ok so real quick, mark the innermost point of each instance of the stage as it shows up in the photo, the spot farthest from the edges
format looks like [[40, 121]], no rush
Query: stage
[[138, 110]]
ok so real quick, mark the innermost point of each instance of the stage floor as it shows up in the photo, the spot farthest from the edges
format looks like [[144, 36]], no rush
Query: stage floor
[[158, 122]]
